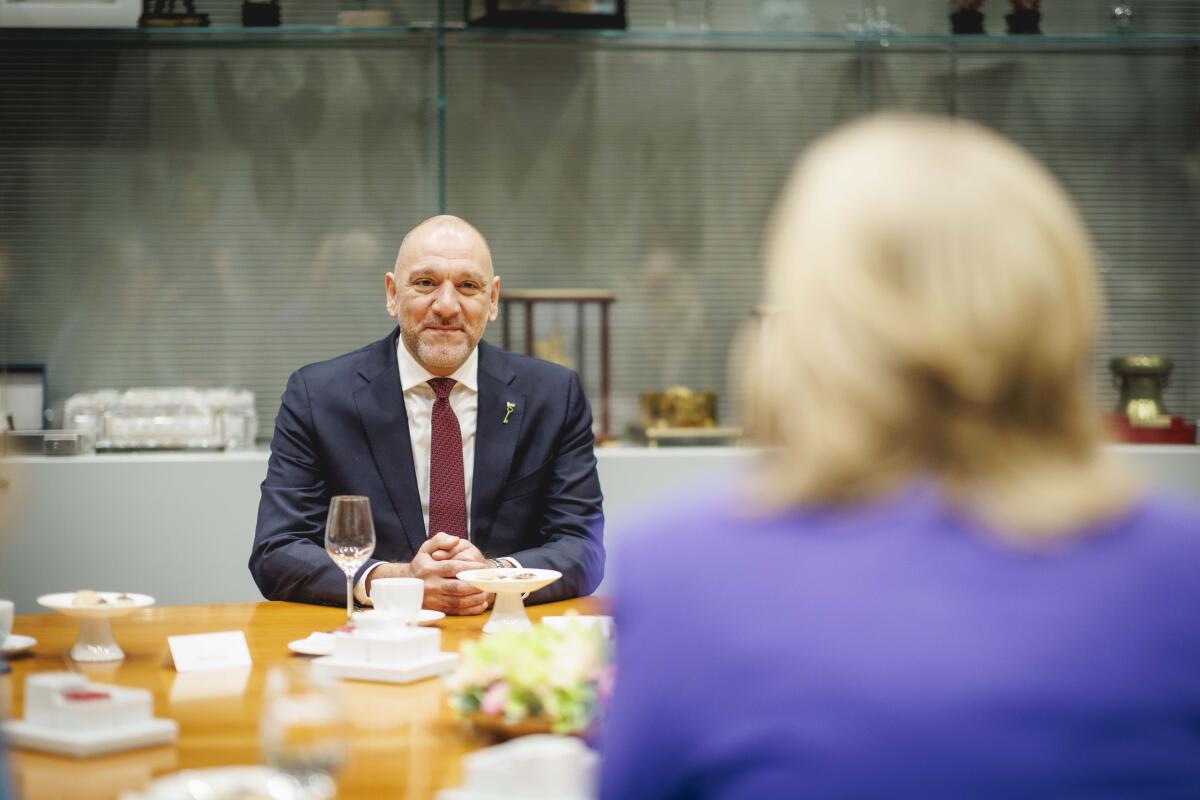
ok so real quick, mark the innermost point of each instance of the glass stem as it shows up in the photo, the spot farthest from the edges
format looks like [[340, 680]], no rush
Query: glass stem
[[349, 596]]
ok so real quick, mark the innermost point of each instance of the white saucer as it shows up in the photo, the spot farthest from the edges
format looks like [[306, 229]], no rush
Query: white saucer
[[315, 644], [321, 644], [426, 616], [16, 644]]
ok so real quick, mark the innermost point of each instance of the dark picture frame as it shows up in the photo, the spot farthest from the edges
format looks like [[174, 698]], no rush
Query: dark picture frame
[[502, 14]]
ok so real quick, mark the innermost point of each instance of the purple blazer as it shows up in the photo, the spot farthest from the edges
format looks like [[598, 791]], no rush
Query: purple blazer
[[899, 650]]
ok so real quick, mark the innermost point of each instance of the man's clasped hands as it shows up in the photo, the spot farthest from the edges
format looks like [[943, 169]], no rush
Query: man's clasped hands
[[439, 560]]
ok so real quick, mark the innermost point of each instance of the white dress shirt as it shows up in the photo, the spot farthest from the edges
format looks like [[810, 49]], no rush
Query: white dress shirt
[[418, 405]]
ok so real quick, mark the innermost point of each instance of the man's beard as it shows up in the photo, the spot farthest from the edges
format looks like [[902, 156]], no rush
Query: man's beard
[[438, 356]]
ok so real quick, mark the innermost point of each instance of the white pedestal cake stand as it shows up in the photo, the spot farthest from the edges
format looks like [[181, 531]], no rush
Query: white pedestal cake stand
[[510, 585], [96, 642]]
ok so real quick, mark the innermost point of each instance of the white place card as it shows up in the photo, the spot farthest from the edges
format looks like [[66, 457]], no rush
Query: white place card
[[208, 685], [209, 651]]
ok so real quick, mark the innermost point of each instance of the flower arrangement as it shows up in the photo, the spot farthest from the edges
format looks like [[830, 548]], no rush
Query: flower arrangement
[[540, 679]]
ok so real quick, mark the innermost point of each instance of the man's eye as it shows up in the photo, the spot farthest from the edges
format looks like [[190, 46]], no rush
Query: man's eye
[[424, 283], [469, 287]]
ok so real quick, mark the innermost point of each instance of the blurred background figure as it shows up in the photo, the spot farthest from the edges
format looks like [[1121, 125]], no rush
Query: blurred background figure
[[934, 585]]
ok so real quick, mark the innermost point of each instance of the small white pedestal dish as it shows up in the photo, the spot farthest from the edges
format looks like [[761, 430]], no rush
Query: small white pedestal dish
[[96, 642], [509, 585]]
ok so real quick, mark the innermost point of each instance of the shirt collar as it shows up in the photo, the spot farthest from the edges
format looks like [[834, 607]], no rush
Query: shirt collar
[[413, 375]]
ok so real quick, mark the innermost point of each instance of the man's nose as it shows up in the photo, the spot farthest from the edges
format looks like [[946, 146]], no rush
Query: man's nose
[[445, 301]]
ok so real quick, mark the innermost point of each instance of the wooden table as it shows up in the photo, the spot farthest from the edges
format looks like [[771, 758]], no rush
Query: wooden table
[[405, 743]]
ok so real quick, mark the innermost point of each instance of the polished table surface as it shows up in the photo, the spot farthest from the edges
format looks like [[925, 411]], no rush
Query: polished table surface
[[406, 742]]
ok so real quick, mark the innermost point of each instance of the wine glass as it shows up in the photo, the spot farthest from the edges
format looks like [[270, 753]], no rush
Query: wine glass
[[304, 728], [349, 538]]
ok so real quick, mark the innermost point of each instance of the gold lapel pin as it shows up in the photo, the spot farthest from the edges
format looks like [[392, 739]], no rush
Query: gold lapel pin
[[508, 409]]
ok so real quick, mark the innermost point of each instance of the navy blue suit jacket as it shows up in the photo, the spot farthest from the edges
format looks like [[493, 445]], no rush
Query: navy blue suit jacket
[[342, 429]]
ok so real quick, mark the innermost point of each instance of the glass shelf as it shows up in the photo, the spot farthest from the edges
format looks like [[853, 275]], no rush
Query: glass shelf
[[638, 39], [774, 41], [223, 34]]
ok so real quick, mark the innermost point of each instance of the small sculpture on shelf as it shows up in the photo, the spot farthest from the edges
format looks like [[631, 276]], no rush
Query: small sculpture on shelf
[[261, 14], [1122, 17], [681, 416], [966, 17], [1141, 416], [164, 15], [1025, 17]]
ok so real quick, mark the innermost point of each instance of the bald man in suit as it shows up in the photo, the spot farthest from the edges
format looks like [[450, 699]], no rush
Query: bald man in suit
[[471, 456]]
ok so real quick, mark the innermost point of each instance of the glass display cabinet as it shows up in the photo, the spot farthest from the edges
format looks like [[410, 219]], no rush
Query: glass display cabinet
[[222, 202]]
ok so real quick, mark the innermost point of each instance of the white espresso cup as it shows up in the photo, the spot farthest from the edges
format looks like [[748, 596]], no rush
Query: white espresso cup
[[398, 597], [6, 619]]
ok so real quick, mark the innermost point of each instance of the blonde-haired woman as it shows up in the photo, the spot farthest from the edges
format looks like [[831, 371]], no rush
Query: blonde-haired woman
[[935, 585]]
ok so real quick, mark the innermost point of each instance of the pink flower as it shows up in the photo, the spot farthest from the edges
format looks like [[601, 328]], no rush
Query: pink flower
[[494, 699], [604, 683]]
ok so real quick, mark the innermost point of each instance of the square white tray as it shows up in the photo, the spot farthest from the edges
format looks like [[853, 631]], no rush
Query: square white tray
[[383, 672], [90, 743]]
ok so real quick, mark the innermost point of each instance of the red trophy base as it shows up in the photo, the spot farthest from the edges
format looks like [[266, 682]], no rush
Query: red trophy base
[[1178, 432]]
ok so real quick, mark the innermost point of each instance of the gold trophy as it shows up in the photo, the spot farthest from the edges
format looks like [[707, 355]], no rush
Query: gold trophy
[[1141, 416], [679, 415]]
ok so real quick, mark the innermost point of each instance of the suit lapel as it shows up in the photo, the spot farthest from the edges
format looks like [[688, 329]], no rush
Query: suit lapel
[[380, 406], [495, 439]]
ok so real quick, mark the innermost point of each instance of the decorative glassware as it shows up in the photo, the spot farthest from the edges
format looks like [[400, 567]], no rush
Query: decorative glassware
[[690, 15], [304, 728], [790, 16], [871, 20], [1122, 17], [349, 538]]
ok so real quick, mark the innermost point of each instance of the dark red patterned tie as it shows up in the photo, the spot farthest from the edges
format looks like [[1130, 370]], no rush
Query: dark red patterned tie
[[447, 489]]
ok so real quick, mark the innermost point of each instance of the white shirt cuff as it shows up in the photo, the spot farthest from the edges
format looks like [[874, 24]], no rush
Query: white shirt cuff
[[360, 588]]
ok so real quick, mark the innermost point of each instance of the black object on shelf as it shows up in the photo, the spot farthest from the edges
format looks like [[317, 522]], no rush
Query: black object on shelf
[[164, 15], [966, 20], [563, 14], [1024, 21], [260, 14]]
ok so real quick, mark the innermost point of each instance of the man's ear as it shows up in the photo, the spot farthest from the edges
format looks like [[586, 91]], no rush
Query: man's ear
[[389, 288], [494, 310]]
